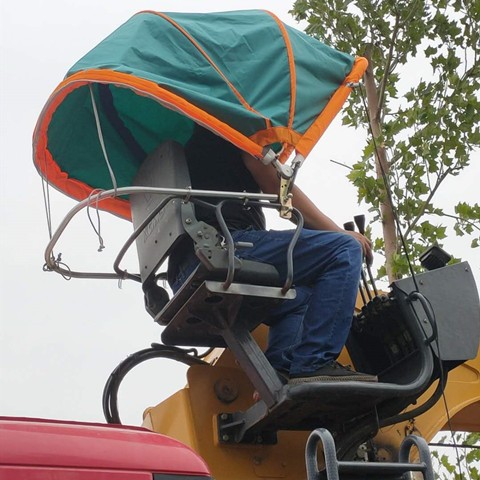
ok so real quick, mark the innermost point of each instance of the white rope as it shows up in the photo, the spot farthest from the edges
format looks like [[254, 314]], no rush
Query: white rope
[[46, 203], [100, 138], [48, 214], [97, 229]]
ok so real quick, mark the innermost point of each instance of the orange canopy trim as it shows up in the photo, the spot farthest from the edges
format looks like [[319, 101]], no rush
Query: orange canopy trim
[[261, 85]]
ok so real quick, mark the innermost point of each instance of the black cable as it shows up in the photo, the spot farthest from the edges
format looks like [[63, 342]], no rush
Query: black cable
[[293, 241], [388, 191], [443, 375], [230, 244], [402, 417], [430, 313], [206, 353], [110, 392], [454, 445], [291, 246], [449, 422]]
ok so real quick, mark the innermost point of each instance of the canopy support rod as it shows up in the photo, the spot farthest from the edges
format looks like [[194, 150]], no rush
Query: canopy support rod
[[52, 264]]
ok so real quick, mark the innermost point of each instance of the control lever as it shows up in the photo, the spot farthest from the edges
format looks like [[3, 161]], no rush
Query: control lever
[[360, 222], [350, 227]]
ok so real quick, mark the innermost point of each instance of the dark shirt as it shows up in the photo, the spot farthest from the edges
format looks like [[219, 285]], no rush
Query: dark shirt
[[215, 164]]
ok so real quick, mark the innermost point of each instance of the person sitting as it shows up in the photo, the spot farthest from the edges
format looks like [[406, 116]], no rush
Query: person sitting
[[306, 334]]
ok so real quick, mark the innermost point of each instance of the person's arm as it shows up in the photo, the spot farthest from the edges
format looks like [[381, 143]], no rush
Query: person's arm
[[269, 182]]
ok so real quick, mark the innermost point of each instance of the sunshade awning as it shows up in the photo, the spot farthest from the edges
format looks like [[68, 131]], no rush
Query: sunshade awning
[[244, 75]]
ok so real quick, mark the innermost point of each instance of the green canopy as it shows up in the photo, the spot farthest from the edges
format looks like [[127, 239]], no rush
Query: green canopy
[[245, 75]]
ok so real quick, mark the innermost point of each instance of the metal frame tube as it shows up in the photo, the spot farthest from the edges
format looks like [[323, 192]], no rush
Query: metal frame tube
[[50, 261]]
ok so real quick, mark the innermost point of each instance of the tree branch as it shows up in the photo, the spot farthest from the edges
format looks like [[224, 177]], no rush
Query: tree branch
[[458, 219], [386, 71], [440, 179], [341, 164]]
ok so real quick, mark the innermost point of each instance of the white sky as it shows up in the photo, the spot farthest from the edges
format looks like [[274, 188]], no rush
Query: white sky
[[60, 340]]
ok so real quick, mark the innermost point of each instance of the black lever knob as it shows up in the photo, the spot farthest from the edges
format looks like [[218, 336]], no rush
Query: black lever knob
[[360, 222], [349, 226]]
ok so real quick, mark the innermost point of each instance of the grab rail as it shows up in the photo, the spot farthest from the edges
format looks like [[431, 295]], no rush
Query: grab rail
[[53, 264]]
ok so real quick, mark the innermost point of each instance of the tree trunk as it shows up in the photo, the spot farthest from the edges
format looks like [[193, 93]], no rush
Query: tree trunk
[[381, 164]]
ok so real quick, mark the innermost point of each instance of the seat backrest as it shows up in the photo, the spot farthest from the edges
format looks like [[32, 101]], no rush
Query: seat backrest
[[165, 167]]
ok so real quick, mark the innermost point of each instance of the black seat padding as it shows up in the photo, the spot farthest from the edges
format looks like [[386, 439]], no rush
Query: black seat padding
[[202, 308]]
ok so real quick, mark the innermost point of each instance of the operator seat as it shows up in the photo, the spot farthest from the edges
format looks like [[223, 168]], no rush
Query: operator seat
[[203, 312], [210, 310]]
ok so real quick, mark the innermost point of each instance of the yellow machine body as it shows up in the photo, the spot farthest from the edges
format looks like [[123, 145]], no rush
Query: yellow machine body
[[190, 415]]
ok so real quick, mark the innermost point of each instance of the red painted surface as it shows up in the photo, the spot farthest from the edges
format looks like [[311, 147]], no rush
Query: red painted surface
[[50, 473], [102, 450]]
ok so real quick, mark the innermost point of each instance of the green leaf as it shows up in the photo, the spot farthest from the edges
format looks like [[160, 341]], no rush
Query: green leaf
[[430, 50], [429, 125]]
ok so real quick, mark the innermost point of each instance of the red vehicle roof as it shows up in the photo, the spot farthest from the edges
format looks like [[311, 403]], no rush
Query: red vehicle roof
[[51, 443]]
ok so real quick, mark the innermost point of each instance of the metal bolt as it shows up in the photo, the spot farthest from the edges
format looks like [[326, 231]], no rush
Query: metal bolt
[[223, 416], [225, 438], [188, 221], [226, 391]]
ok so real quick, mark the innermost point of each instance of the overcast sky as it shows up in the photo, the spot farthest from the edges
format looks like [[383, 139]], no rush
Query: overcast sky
[[61, 339]]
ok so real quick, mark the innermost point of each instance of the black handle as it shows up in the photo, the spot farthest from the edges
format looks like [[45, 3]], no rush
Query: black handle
[[360, 222]]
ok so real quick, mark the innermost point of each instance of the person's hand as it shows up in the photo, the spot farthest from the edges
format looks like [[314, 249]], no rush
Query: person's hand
[[366, 245]]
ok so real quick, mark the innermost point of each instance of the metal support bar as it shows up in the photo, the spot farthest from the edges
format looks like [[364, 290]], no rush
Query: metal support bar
[[253, 362], [333, 467], [50, 261], [311, 461], [423, 450]]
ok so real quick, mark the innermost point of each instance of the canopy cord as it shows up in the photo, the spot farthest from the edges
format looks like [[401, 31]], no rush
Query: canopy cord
[[48, 215], [100, 138], [46, 201], [96, 229]]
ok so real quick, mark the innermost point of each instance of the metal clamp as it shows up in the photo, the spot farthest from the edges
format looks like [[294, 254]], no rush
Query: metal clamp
[[287, 178]]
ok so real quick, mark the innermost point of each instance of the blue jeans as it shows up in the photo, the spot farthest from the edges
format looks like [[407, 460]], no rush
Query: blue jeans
[[309, 331]]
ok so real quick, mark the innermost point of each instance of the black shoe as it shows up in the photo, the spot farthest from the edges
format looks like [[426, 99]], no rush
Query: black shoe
[[332, 372], [283, 375]]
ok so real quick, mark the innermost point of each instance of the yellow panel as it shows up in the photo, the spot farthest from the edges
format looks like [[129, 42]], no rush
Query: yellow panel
[[190, 416], [173, 417], [462, 398]]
